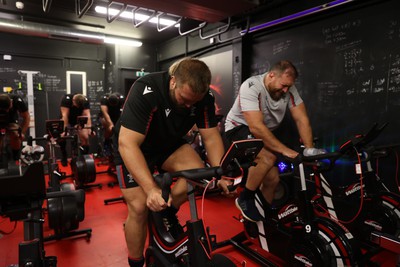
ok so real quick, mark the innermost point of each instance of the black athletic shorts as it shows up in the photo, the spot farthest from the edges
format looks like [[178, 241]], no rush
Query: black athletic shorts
[[242, 132], [154, 161]]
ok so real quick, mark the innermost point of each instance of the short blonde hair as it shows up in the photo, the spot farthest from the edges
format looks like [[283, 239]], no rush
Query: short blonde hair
[[285, 66]]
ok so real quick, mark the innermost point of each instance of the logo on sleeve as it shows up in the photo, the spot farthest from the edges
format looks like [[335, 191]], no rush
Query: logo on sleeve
[[167, 111], [147, 90], [251, 84]]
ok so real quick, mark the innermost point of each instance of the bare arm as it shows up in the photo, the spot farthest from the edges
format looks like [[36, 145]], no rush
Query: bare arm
[[212, 141], [25, 123], [257, 127], [214, 145], [129, 147], [299, 115], [106, 116], [64, 115]]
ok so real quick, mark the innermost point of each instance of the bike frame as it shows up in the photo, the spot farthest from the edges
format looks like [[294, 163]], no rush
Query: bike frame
[[365, 206], [194, 247], [292, 226]]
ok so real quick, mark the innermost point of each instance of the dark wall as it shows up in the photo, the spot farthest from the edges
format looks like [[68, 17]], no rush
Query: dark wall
[[349, 65], [347, 57], [129, 61], [53, 58], [185, 45]]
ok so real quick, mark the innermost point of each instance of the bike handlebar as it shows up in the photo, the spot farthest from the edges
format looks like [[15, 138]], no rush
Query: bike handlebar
[[332, 157], [317, 160], [195, 174], [164, 180], [378, 151]]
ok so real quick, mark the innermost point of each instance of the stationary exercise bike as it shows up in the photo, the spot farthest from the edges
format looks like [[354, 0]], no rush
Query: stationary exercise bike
[[82, 165], [364, 205], [290, 234], [195, 247], [22, 195], [21, 199], [64, 213]]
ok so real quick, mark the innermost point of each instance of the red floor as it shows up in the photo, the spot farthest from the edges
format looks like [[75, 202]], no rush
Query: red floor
[[106, 247]]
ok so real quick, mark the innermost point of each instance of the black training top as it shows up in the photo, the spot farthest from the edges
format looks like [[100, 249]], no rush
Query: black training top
[[149, 110], [113, 111], [18, 106], [74, 112]]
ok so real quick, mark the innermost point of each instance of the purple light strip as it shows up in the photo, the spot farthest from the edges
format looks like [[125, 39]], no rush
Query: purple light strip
[[299, 15]]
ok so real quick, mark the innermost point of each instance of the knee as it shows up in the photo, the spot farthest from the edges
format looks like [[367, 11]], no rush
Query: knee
[[137, 210], [84, 140], [267, 159]]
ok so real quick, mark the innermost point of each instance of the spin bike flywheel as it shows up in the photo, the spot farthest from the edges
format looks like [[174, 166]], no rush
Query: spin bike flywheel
[[326, 246], [83, 169], [384, 216], [66, 212]]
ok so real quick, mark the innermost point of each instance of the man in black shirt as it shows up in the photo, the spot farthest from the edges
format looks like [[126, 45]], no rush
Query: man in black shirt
[[11, 108], [73, 106], [158, 112], [110, 111]]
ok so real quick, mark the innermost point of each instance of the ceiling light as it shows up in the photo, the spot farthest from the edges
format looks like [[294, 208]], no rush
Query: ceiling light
[[129, 15], [122, 41], [19, 5]]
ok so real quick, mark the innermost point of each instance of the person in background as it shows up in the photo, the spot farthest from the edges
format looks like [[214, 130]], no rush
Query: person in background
[[257, 112], [158, 112], [110, 111], [12, 109], [72, 106]]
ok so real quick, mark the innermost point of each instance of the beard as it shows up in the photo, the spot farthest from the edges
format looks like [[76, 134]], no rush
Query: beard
[[277, 95]]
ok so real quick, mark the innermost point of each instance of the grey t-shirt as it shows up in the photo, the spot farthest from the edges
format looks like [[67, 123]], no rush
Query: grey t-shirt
[[253, 96]]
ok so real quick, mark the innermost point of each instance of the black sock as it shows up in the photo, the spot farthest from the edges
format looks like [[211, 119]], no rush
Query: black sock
[[247, 194], [138, 262]]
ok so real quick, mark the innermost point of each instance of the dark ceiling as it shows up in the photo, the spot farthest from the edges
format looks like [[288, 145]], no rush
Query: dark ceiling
[[80, 15]]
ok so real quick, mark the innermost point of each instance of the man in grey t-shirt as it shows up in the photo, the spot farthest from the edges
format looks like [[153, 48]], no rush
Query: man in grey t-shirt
[[258, 110]]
